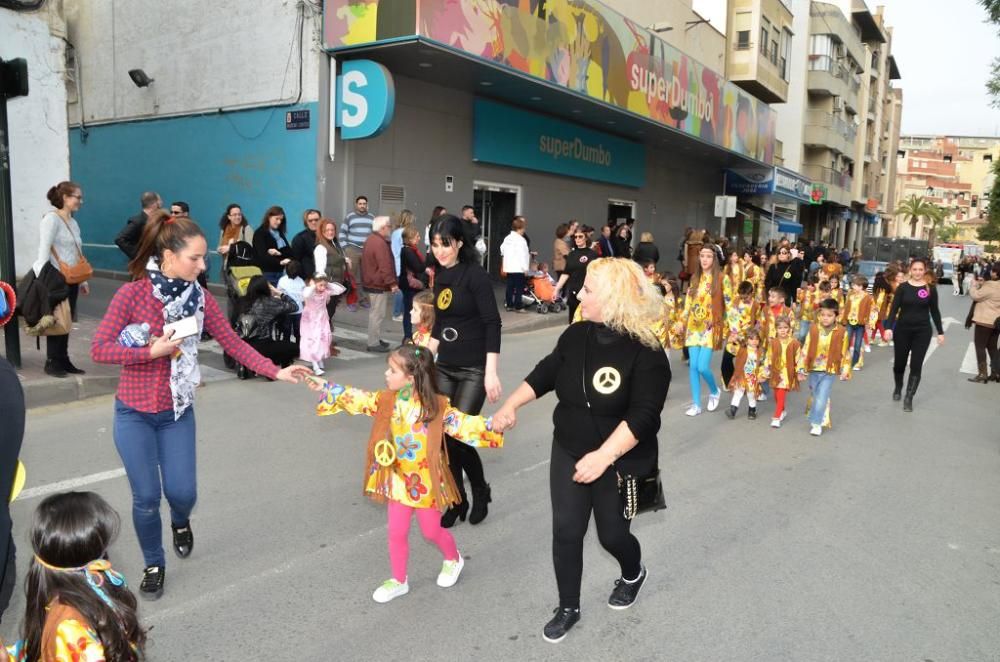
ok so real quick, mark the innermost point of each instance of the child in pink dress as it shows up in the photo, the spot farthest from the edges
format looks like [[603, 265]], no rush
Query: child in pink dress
[[315, 326]]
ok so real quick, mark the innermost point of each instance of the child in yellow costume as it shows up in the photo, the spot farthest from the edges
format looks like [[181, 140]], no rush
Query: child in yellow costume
[[821, 360], [742, 314], [748, 376], [407, 460], [860, 315], [779, 367]]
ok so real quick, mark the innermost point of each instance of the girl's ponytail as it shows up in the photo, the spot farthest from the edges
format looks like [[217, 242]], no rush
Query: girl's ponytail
[[161, 232]]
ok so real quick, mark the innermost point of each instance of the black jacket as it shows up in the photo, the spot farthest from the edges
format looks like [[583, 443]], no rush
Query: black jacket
[[646, 251], [36, 297], [262, 242], [303, 245], [262, 321], [410, 261], [128, 239], [787, 276], [11, 436]]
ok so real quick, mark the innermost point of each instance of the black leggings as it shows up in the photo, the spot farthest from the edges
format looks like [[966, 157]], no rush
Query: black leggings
[[57, 347], [465, 387], [912, 343], [572, 504], [985, 339]]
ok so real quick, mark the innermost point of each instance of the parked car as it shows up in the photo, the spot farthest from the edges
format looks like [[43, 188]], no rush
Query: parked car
[[868, 269]]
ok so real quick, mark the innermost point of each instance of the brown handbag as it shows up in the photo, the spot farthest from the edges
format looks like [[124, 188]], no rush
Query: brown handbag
[[79, 272], [63, 323]]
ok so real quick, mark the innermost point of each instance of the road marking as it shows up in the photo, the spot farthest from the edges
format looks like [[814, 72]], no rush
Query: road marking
[[531, 468], [969, 364], [946, 322], [72, 483], [347, 354], [349, 334]]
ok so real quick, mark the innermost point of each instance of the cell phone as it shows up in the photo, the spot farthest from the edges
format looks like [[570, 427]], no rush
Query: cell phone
[[182, 328]]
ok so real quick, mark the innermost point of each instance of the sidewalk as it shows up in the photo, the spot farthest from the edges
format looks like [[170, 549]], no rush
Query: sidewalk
[[42, 390]]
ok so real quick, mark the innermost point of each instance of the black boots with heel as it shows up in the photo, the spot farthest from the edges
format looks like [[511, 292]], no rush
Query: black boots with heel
[[480, 498], [456, 512], [911, 390]]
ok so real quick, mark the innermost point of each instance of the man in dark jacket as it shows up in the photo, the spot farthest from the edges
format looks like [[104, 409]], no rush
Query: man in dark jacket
[[304, 243], [128, 239], [378, 272], [11, 435]]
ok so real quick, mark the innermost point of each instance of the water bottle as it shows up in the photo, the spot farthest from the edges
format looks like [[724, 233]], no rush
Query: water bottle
[[134, 335]]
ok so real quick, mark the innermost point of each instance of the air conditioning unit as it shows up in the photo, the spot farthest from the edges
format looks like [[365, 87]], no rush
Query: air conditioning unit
[[838, 104]]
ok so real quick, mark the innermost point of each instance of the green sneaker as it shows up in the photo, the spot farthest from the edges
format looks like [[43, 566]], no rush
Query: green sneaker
[[390, 590], [450, 570]]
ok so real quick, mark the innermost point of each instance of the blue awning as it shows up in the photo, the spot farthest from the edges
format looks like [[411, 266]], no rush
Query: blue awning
[[789, 227]]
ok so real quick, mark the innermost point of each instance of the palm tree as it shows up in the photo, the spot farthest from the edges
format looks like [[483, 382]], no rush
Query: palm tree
[[937, 217], [914, 208]]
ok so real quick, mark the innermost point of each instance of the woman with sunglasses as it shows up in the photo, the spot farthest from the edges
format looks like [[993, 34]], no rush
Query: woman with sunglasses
[[576, 269], [786, 273]]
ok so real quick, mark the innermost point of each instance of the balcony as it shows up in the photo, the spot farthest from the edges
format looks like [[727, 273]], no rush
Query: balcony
[[827, 130], [763, 74], [838, 183], [826, 18], [831, 78]]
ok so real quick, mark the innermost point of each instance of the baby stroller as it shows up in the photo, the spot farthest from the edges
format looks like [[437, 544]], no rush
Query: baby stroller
[[239, 269], [541, 293]]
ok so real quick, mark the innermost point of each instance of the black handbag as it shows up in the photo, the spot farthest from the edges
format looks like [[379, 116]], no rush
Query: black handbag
[[640, 494]]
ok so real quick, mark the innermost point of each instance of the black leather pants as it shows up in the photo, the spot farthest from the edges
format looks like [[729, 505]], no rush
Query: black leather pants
[[465, 387]]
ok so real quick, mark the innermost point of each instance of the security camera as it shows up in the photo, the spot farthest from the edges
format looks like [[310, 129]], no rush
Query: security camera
[[139, 77]]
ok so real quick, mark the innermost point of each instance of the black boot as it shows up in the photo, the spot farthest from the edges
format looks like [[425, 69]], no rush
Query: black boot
[[480, 497], [456, 512], [70, 368], [752, 414], [911, 390], [54, 368], [731, 412], [897, 392]]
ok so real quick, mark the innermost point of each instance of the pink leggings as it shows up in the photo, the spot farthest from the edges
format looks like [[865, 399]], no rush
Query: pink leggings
[[399, 533]]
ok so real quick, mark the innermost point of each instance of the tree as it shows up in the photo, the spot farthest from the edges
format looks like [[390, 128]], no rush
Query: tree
[[915, 208], [936, 216], [992, 8], [947, 233]]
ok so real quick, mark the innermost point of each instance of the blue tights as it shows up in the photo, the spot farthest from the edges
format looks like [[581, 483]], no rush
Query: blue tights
[[699, 367]]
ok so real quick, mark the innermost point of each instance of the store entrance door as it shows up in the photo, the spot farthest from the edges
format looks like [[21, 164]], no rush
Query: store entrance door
[[620, 211], [495, 205]]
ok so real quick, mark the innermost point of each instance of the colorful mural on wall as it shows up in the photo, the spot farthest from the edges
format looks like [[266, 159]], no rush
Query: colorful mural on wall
[[585, 47]]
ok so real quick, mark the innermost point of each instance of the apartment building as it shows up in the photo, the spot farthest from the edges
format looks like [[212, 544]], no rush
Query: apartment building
[[953, 172]]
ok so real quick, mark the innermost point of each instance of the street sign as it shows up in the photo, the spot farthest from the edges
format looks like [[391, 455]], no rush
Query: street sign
[[725, 206], [296, 119]]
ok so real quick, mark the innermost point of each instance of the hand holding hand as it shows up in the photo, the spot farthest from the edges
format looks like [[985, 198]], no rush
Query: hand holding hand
[[164, 345], [273, 251], [802, 376], [504, 419], [293, 374], [85, 288]]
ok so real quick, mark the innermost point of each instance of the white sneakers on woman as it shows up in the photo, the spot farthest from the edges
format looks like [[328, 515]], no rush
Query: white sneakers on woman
[[693, 410], [713, 400]]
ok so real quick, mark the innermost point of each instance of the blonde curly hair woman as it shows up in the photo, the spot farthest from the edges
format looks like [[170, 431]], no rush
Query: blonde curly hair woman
[[611, 377]]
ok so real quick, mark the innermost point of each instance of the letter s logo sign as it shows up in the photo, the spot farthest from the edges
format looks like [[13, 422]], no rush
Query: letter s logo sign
[[366, 99]]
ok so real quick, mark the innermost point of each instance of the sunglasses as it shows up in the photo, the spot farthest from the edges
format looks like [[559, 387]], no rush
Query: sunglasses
[[579, 236]]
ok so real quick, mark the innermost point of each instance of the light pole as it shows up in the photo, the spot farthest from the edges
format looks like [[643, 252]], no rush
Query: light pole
[[13, 83]]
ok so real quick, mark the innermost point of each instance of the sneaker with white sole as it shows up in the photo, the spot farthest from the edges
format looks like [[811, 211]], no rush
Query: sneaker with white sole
[[713, 400], [816, 430], [693, 410], [450, 570], [868, 349], [390, 590], [775, 422]]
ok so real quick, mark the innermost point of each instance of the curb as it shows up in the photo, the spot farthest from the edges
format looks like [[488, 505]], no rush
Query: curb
[[59, 391]]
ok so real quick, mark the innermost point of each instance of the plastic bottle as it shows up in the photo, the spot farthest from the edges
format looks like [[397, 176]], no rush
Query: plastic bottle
[[134, 335]]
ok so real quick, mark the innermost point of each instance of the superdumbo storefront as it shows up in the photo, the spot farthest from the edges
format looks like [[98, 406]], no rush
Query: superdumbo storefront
[[504, 109]]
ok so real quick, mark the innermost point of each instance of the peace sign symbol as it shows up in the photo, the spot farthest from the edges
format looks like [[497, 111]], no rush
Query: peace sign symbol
[[385, 453], [444, 299], [700, 313], [607, 380]]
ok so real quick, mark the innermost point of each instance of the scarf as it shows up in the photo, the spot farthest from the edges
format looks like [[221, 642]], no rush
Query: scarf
[[278, 239], [180, 299]]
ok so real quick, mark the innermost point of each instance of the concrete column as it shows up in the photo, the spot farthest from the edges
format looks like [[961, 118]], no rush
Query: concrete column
[[852, 225]]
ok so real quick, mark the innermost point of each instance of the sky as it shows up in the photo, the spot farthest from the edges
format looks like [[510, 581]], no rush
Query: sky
[[944, 50]]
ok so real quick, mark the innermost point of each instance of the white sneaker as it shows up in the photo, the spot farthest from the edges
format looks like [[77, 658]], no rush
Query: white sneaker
[[693, 410], [857, 368], [713, 400], [783, 415], [762, 398], [816, 430], [390, 590], [868, 349], [318, 369], [450, 570], [397, 318], [775, 422]]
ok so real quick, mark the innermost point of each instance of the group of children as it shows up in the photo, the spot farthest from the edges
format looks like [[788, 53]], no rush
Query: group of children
[[770, 346]]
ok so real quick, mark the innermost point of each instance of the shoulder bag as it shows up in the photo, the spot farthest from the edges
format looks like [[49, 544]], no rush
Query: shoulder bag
[[639, 494], [79, 272]]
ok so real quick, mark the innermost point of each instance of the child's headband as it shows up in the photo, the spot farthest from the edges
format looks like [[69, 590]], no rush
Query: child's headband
[[96, 572]]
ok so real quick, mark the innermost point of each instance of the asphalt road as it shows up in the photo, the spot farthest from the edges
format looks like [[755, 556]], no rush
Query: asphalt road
[[878, 541]]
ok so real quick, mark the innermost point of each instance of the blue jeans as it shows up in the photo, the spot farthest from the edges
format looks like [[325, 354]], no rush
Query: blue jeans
[[150, 445], [820, 385], [397, 305], [856, 338], [804, 326], [700, 367]]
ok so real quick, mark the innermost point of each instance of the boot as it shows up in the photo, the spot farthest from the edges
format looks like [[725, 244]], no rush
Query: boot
[[54, 368], [982, 377], [897, 392], [911, 390], [480, 497], [70, 368], [456, 512]]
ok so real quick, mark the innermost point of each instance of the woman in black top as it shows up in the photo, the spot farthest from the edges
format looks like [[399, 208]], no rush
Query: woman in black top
[[412, 270], [646, 251], [611, 376], [466, 339], [576, 269], [786, 273], [915, 301], [271, 249]]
